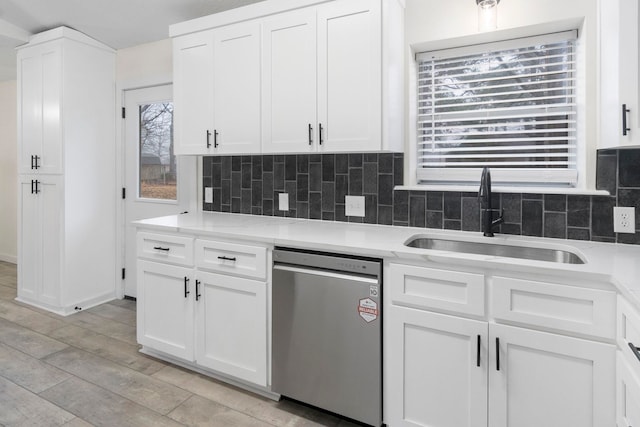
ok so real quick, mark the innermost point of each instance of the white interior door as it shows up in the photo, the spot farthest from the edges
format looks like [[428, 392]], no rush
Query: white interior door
[[158, 183]]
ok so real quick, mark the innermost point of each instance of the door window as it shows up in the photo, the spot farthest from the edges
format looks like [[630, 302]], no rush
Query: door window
[[157, 173]]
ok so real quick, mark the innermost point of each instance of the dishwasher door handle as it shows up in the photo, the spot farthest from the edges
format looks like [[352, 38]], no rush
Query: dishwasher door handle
[[327, 273]]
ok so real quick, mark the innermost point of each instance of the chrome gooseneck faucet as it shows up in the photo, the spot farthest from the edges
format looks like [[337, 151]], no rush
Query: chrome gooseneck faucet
[[484, 194]]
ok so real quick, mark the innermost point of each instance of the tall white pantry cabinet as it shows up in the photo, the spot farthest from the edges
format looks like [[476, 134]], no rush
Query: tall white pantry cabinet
[[66, 165]]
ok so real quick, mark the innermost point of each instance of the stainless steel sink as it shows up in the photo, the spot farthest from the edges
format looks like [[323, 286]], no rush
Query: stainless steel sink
[[495, 249]]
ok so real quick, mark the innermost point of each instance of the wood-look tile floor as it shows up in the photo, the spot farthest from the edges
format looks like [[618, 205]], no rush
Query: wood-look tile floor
[[85, 369]]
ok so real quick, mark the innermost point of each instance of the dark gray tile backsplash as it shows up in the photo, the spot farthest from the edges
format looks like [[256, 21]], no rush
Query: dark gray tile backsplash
[[317, 185]]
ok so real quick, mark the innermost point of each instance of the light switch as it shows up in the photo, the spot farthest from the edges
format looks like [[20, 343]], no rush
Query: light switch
[[208, 194], [283, 201], [354, 206]]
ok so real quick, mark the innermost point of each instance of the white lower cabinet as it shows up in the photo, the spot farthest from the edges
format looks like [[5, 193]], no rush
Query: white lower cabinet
[[440, 364], [231, 333], [436, 376], [628, 365], [627, 394], [445, 370], [544, 379], [211, 321], [165, 309]]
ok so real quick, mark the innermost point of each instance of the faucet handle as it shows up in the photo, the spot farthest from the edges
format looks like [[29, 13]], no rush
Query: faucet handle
[[500, 218]]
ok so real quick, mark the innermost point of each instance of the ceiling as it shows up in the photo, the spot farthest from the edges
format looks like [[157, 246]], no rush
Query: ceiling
[[117, 23]]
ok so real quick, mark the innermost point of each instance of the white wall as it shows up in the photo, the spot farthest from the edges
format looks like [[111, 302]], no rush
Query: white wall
[[145, 65], [439, 24], [8, 172]]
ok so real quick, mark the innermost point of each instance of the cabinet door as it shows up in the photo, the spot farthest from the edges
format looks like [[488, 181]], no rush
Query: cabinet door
[[627, 394], [432, 373], [349, 76], [30, 239], [289, 83], [542, 379], [236, 89], [40, 225], [629, 77], [51, 202], [39, 109], [620, 66], [193, 93], [232, 327], [165, 308]]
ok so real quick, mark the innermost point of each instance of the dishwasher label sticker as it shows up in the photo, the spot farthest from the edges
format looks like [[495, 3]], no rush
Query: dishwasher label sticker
[[368, 309], [373, 291]]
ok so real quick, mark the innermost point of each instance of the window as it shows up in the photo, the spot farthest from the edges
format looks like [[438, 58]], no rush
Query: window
[[157, 161], [510, 106]]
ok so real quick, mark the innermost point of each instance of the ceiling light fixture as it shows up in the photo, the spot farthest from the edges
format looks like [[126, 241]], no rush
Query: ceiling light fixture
[[487, 14]]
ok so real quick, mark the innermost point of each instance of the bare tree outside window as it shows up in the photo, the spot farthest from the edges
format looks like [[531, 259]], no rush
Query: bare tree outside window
[[157, 161]]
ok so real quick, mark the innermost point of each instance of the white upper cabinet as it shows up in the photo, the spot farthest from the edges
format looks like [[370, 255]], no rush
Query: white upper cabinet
[[217, 91], [322, 87], [620, 78], [236, 89], [289, 83], [39, 124], [323, 78], [349, 76], [193, 93]]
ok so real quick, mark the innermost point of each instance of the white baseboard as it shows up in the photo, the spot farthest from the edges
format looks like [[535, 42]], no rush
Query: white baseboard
[[9, 258]]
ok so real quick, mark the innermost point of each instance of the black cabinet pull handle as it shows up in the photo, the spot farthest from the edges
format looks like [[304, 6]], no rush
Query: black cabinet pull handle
[[186, 286], [198, 290], [32, 186], [478, 352], [208, 139], [215, 138], [160, 248], [497, 354], [635, 350], [320, 132], [32, 162], [224, 258], [37, 162], [310, 134], [625, 129]]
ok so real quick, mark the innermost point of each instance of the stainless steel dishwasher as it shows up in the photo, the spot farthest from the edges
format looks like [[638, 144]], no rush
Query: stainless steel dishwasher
[[327, 332]]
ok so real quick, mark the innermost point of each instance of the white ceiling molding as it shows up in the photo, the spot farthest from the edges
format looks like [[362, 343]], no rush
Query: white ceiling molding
[[13, 32]]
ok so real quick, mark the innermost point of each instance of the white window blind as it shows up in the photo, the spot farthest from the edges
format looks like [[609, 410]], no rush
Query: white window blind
[[510, 106]]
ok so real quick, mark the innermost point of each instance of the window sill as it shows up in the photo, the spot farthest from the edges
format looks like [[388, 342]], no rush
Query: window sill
[[503, 189]]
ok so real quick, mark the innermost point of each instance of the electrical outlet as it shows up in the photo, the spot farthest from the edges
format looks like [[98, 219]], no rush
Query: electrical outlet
[[208, 194], [283, 201], [354, 206], [624, 220]]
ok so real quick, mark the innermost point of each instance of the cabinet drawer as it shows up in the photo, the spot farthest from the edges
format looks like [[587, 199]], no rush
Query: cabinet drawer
[[166, 248], [629, 333], [554, 306], [434, 289], [232, 258]]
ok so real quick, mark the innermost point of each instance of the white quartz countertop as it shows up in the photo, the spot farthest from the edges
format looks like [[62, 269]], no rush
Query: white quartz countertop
[[614, 263]]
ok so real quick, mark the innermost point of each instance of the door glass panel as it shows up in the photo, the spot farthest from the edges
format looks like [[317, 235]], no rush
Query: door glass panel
[[157, 162]]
